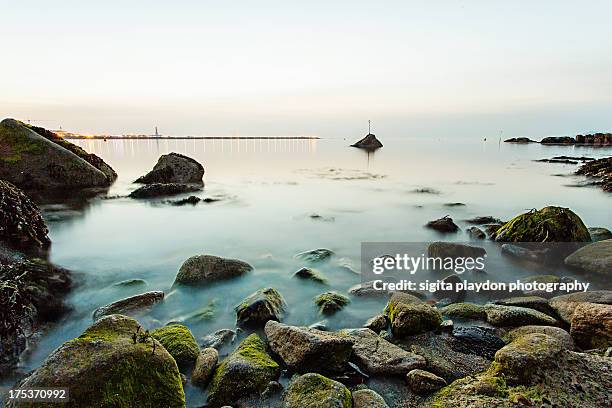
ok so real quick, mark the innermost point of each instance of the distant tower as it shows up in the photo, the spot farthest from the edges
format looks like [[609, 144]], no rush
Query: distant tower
[[369, 127], [156, 134]]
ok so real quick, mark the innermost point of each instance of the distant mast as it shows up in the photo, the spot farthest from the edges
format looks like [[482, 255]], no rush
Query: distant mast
[[156, 133], [369, 127]]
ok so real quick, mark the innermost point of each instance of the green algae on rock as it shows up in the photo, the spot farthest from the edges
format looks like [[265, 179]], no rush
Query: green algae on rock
[[464, 311], [316, 391], [104, 367], [179, 342], [246, 371], [550, 224], [331, 302], [259, 307], [409, 315]]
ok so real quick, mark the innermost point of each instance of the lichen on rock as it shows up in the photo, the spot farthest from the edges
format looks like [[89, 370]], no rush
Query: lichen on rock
[[179, 342], [316, 391]]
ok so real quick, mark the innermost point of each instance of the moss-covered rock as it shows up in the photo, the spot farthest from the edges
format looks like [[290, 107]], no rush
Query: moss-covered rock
[[201, 270], [556, 332], [550, 224], [366, 398], [259, 307], [246, 371], [179, 342], [464, 311], [409, 315], [424, 382], [316, 391], [32, 162], [104, 367], [331, 302], [512, 316]]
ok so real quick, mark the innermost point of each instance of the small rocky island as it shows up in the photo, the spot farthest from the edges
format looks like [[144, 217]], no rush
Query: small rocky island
[[369, 142]]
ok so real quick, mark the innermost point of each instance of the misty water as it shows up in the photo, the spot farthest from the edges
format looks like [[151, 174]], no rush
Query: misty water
[[268, 191]]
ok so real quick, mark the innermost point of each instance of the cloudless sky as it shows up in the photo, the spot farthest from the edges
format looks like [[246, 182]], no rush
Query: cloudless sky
[[416, 68]]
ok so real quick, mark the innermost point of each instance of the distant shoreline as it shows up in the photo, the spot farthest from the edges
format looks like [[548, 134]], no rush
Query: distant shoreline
[[191, 137]]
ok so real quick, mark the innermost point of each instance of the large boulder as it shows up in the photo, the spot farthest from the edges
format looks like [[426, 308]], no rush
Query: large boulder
[[21, 224], [174, 168], [179, 342], [377, 356], [550, 224], [259, 307], [163, 190], [309, 350], [565, 305], [33, 162], [595, 258], [133, 305], [246, 371], [105, 367], [316, 391], [592, 325], [203, 269], [369, 142], [409, 315]]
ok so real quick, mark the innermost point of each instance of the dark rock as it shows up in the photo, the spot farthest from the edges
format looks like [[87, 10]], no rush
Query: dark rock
[[454, 294], [132, 305], [491, 229], [476, 233], [330, 302], [483, 220], [21, 224], [163, 190], [130, 283], [259, 307], [204, 269], [192, 200], [377, 323], [369, 142], [558, 140], [454, 205], [519, 140], [560, 161], [599, 233], [174, 168], [482, 341], [444, 224], [309, 350], [33, 162], [310, 274], [600, 170]]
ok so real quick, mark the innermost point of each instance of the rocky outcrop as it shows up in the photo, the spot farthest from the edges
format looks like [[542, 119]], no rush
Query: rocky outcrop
[[592, 325], [259, 307], [179, 342], [558, 140], [377, 356], [33, 162], [444, 224], [309, 350], [163, 190], [106, 367], [204, 367], [246, 371], [174, 168], [21, 224], [133, 305], [519, 140], [595, 259], [369, 142], [330, 302], [409, 315], [550, 224], [600, 170], [204, 269], [316, 391]]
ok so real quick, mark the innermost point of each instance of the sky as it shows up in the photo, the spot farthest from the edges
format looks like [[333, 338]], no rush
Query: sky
[[416, 68]]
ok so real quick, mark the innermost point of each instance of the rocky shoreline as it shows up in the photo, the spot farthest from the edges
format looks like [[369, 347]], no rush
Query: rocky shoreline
[[596, 139]]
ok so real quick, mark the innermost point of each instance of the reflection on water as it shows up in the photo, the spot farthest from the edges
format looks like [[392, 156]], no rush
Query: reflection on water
[[269, 189]]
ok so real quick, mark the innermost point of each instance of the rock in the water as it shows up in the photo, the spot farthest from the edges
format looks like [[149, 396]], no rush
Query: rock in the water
[[129, 283], [600, 169], [33, 162], [331, 302], [565, 305], [191, 200], [246, 371], [204, 269], [525, 254], [315, 255], [204, 367], [174, 168], [377, 323], [163, 190], [464, 311], [409, 315], [310, 274], [508, 316], [21, 224], [476, 233], [377, 356], [519, 140], [444, 224], [218, 339], [454, 250], [259, 307], [179, 342], [550, 224], [599, 234], [556, 332], [368, 399], [105, 368], [595, 258], [31, 296], [369, 142], [132, 305], [485, 219], [424, 382], [315, 391], [309, 350], [531, 302], [592, 325], [558, 140]]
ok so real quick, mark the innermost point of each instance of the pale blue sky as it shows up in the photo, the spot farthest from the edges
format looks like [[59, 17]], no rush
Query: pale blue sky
[[426, 68]]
